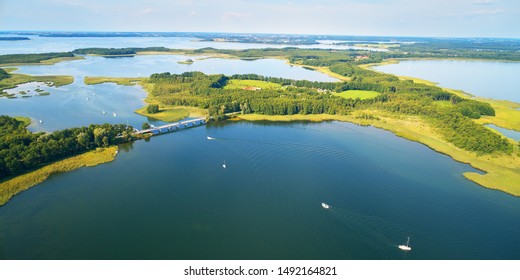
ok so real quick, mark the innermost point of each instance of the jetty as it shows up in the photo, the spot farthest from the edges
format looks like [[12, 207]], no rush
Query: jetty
[[171, 127]]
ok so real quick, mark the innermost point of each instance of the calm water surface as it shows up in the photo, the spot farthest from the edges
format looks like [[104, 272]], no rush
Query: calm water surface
[[493, 79], [513, 134], [65, 44], [144, 65], [79, 104], [170, 198]]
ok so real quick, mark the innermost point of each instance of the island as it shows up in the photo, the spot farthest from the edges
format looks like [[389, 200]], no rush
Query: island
[[445, 120]]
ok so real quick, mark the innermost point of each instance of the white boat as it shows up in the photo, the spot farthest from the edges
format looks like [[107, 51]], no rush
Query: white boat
[[210, 138], [41, 121], [407, 246], [224, 165], [114, 114], [86, 98], [325, 205], [104, 112]]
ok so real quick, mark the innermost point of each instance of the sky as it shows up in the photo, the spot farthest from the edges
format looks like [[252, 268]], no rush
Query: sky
[[439, 18]]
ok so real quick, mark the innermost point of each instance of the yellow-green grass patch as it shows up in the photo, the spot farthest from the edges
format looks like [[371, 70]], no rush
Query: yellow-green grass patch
[[173, 113], [23, 182], [502, 171], [361, 94], [119, 81], [251, 84], [17, 79], [288, 118], [507, 114], [26, 121]]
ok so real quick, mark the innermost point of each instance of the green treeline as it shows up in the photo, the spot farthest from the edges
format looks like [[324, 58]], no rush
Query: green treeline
[[22, 150], [206, 91], [118, 51], [452, 118], [32, 58], [3, 74]]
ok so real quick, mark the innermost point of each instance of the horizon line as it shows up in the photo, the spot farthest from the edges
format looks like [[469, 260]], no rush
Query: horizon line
[[263, 33]]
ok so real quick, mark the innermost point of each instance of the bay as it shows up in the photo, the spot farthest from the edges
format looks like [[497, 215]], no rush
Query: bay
[[492, 79], [170, 198]]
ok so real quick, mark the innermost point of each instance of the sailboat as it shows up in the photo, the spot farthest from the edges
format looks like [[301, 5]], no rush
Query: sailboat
[[407, 246]]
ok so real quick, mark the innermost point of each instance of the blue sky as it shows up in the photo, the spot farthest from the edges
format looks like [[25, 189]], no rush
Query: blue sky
[[449, 18]]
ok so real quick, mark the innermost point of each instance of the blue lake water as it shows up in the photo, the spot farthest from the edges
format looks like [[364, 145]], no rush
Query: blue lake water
[[515, 135], [493, 79], [64, 44], [79, 104], [144, 65], [170, 198]]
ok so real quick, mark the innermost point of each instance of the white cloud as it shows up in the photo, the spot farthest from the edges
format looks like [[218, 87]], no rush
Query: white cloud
[[147, 11], [483, 2], [229, 15], [486, 12]]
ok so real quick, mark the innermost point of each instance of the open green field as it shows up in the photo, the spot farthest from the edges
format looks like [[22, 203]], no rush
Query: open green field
[[361, 94], [119, 81], [173, 113], [507, 114], [26, 121], [23, 182], [241, 84], [17, 79]]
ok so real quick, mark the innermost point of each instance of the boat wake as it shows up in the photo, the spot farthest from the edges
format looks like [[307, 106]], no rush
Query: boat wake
[[372, 232]]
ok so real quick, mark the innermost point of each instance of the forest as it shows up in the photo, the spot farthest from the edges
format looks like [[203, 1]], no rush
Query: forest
[[32, 58], [452, 119], [118, 51], [3, 74], [22, 150]]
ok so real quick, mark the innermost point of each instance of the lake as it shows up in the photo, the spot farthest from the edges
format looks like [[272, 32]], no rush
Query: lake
[[144, 65], [38, 44], [80, 105], [492, 79], [170, 198], [515, 135], [76, 105]]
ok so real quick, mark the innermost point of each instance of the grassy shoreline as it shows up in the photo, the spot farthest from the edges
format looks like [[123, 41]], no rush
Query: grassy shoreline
[[20, 183], [17, 79], [51, 61], [119, 81], [173, 113], [507, 114], [502, 171]]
